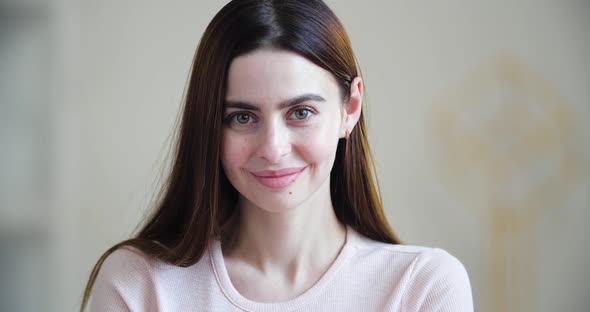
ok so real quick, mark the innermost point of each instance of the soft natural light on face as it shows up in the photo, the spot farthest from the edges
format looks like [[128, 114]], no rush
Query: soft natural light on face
[[282, 115]]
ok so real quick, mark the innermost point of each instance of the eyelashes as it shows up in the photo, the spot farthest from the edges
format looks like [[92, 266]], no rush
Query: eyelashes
[[241, 118], [307, 113], [244, 118]]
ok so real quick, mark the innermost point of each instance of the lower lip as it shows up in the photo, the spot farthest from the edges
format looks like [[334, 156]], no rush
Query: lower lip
[[279, 182]]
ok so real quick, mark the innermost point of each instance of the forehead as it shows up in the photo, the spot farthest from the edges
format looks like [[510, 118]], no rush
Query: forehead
[[270, 76]]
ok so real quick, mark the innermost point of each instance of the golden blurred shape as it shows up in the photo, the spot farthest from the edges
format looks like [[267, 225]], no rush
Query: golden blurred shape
[[505, 141]]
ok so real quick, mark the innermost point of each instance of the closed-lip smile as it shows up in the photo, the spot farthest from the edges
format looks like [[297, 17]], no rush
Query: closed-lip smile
[[277, 179]]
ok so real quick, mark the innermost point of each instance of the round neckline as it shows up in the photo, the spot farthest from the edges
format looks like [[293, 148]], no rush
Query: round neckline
[[232, 294]]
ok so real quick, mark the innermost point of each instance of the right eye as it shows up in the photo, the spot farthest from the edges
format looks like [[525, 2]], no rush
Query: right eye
[[240, 118]]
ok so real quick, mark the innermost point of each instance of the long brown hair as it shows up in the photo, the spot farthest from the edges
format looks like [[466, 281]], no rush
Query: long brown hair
[[197, 199]]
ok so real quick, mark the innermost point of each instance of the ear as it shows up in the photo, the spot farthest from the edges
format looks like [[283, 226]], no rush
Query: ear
[[352, 108]]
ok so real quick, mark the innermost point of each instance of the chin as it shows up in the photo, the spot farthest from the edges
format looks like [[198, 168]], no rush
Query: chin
[[276, 202]]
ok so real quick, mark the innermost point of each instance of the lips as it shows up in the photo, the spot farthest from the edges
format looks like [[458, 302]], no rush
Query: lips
[[278, 179]]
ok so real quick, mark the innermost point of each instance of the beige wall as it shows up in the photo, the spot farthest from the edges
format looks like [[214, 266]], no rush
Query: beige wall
[[478, 116]]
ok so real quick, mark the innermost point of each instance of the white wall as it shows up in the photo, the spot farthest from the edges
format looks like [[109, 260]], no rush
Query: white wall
[[478, 116]]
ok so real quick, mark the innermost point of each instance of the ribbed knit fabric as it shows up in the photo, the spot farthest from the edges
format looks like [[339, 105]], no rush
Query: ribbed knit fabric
[[366, 276]]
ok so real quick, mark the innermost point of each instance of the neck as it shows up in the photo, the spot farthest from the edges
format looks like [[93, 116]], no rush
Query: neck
[[291, 243]]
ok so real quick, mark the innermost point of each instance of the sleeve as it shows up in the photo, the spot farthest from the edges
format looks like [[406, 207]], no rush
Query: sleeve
[[439, 282], [125, 282]]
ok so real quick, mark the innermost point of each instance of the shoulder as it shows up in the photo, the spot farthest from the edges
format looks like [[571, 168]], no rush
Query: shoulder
[[125, 257], [126, 265], [129, 280], [125, 281], [437, 281], [435, 266], [423, 278], [403, 255], [418, 260]]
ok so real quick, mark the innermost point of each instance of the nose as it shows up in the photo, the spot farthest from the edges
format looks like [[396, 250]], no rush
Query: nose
[[274, 142]]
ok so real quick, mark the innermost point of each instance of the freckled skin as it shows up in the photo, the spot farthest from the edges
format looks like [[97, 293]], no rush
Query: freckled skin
[[274, 139]]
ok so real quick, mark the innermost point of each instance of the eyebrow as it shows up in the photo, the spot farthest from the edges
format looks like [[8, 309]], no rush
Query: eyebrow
[[288, 103]]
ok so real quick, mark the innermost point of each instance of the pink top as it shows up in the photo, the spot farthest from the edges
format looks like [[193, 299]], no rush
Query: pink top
[[366, 276]]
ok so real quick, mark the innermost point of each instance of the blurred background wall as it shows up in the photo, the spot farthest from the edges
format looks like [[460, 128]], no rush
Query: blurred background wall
[[479, 118]]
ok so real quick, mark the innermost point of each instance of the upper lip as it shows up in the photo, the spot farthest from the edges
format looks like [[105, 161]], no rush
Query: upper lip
[[277, 173]]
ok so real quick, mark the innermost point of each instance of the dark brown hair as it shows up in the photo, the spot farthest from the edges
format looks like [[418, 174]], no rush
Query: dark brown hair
[[197, 199]]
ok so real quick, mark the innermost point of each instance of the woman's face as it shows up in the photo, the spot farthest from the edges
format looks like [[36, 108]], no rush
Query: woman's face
[[282, 121]]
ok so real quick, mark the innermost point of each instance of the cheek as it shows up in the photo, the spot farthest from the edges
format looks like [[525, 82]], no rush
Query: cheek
[[319, 148], [234, 153]]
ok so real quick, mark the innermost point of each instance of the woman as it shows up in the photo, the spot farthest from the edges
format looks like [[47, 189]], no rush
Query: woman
[[270, 204]]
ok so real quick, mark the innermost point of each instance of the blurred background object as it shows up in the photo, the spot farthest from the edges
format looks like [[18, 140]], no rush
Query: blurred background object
[[478, 114]]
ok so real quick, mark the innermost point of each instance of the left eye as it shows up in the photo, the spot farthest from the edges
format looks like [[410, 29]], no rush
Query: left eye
[[301, 114]]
